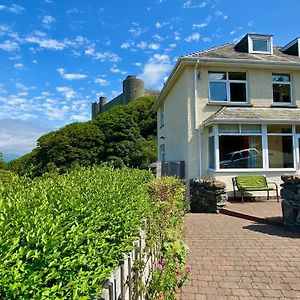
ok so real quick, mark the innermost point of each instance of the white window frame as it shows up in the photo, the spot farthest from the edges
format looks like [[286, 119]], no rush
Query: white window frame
[[282, 82], [265, 150], [292, 134], [227, 81], [269, 41]]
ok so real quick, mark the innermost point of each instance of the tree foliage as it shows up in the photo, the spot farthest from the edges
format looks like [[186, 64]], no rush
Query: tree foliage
[[123, 136], [2, 163]]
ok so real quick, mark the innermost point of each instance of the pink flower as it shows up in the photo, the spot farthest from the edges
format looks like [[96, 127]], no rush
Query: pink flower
[[161, 295], [164, 260], [188, 268], [159, 267]]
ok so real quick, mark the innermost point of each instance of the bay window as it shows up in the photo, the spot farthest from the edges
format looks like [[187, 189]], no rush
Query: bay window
[[251, 146], [228, 87], [280, 146]]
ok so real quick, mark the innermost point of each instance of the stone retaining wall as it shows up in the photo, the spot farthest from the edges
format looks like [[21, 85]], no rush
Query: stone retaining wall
[[207, 195], [290, 204]]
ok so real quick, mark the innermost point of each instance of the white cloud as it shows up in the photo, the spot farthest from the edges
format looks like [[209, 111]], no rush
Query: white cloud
[[206, 39], [102, 56], [46, 43], [189, 4], [101, 81], [177, 36], [157, 37], [80, 118], [115, 69], [138, 64], [47, 21], [70, 76], [158, 25], [135, 31], [154, 46], [68, 92], [197, 26], [155, 70], [18, 66], [142, 45], [19, 137], [14, 8], [54, 111], [126, 45], [193, 37], [219, 13], [9, 46]]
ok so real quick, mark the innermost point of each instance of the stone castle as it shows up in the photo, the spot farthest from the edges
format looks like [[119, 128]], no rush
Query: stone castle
[[133, 88]]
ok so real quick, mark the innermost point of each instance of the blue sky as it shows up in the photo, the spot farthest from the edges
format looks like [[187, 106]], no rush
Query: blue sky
[[58, 56]]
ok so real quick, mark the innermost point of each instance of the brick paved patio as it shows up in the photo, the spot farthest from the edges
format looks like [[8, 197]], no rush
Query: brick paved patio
[[234, 258], [268, 211]]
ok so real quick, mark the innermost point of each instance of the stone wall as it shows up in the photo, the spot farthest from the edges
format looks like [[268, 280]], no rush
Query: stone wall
[[290, 193], [207, 195]]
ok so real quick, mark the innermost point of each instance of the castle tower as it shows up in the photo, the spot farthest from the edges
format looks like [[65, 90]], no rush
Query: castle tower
[[95, 109], [102, 102], [133, 88]]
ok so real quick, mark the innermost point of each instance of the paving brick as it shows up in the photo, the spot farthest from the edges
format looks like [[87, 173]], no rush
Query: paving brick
[[238, 259]]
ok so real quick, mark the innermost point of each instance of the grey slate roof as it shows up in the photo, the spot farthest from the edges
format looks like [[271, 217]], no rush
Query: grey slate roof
[[254, 114], [227, 51]]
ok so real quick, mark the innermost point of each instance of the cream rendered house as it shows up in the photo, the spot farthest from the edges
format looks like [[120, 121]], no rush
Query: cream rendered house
[[233, 109]]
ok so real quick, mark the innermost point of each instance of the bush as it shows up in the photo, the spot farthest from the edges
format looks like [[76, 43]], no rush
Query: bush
[[167, 194], [61, 236]]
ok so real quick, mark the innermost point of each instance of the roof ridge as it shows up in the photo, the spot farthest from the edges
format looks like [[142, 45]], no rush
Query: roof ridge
[[208, 50]]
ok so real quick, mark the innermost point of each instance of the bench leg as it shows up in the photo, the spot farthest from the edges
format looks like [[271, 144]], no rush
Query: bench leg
[[268, 197], [277, 193], [242, 197]]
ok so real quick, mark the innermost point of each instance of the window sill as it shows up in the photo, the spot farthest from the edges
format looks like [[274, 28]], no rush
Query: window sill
[[251, 170], [238, 104], [288, 105]]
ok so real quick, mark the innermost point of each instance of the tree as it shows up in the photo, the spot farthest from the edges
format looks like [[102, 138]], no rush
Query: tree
[[129, 132], [2, 163], [78, 143], [123, 136]]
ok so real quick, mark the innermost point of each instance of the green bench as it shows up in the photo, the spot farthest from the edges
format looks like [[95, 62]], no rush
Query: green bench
[[253, 183]]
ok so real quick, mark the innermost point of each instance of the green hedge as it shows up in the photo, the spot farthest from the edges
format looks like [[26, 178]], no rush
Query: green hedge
[[61, 236]]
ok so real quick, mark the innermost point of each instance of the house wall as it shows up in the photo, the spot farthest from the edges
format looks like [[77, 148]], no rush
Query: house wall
[[174, 132], [183, 117], [260, 94]]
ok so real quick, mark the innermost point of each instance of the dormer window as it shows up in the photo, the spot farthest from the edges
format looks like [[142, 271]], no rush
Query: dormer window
[[292, 48], [255, 43], [260, 44]]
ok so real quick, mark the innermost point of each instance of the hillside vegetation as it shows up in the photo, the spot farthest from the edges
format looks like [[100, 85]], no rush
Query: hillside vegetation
[[123, 136]]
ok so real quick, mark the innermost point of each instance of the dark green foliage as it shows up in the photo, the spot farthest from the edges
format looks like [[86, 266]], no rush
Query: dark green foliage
[[2, 163], [78, 143], [123, 136]]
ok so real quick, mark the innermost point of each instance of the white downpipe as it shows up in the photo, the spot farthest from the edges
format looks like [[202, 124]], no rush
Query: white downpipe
[[198, 130]]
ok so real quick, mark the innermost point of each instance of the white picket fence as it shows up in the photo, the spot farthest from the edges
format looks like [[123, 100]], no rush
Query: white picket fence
[[122, 283]]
